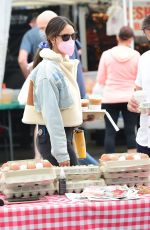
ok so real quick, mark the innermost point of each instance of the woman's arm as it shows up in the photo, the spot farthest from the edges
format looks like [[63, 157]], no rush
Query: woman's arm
[[53, 120], [101, 74]]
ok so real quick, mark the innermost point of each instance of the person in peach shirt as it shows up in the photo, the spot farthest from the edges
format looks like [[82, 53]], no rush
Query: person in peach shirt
[[116, 76]]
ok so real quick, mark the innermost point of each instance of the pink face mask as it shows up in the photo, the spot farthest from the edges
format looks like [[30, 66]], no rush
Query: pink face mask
[[67, 47]]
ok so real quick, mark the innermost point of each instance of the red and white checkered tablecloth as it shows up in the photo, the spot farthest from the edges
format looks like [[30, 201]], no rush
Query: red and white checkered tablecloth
[[59, 213]]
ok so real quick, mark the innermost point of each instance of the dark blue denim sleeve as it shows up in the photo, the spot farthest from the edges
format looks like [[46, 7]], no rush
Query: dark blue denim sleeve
[[81, 82], [80, 77]]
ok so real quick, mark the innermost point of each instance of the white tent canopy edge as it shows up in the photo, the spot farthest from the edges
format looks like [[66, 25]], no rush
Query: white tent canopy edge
[[38, 3], [5, 12]]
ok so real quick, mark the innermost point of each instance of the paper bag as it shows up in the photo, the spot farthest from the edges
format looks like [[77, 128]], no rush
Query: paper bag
[[79, 143]]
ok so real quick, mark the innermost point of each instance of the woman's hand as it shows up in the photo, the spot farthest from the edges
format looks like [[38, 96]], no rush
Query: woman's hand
[[65, 163], [133, 105]]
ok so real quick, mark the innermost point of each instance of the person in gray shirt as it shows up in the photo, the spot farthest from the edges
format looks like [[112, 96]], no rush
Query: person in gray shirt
[[29, 45]]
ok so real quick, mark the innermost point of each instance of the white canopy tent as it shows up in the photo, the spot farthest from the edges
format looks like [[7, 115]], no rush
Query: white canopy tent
[[38, 3]]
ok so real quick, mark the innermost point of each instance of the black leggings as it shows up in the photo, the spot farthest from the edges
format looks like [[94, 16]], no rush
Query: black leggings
[[143, 149], [44, 145], [130, 123]]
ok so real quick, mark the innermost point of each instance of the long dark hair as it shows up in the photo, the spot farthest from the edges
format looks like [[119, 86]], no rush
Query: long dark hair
[[53, 29], [55, 26], [37, 59]]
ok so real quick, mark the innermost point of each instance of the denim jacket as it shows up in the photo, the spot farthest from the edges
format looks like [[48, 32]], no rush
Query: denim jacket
[[52, 97]]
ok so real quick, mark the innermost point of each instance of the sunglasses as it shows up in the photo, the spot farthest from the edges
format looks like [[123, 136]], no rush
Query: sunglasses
[[66, 37]]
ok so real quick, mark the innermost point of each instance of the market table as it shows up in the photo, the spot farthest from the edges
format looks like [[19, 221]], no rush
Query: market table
[[59, 213], [8, 108]]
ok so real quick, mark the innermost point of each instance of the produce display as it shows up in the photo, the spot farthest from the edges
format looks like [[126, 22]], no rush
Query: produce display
[[25, 164], [79, 177], [29, 178], [130, 169], [123, 156], [78, 186], [80, 172]]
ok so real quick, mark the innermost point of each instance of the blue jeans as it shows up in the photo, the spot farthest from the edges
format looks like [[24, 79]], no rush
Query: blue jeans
[[88, 160], [44, 145]]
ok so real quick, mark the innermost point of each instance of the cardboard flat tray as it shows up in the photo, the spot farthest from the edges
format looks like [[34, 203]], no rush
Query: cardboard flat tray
[[29, 176], [126, 174], [79, 170], [126, 164], [134, 181], [127, 169]]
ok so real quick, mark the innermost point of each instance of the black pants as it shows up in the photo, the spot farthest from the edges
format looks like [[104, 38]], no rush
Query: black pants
[[143, 149], [130, 123], [44, 145]]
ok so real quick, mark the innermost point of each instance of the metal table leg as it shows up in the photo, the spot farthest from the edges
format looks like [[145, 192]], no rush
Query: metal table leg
[[10, 136]]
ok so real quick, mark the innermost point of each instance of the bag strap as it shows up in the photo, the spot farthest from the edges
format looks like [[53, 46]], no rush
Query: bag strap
[[30, 94]]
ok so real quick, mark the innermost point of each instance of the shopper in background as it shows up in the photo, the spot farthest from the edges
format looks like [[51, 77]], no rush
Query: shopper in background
[[56, 92], [29, 46], [143, 83], [117, 71]]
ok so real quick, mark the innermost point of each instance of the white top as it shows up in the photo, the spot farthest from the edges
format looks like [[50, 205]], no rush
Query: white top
[[143, 81]]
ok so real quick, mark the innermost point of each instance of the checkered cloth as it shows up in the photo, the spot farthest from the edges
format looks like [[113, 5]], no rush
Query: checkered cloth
[[59, 213]]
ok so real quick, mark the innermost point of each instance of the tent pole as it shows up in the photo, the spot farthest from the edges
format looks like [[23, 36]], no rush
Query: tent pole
[[131, 13], [124, 3], [82, 29]]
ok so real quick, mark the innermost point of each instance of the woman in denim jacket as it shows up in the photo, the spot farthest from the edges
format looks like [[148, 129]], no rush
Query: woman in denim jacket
[[56, 94]]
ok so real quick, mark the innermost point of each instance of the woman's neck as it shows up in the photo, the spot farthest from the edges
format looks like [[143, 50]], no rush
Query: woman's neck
[[57, 52], [124, 43]]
